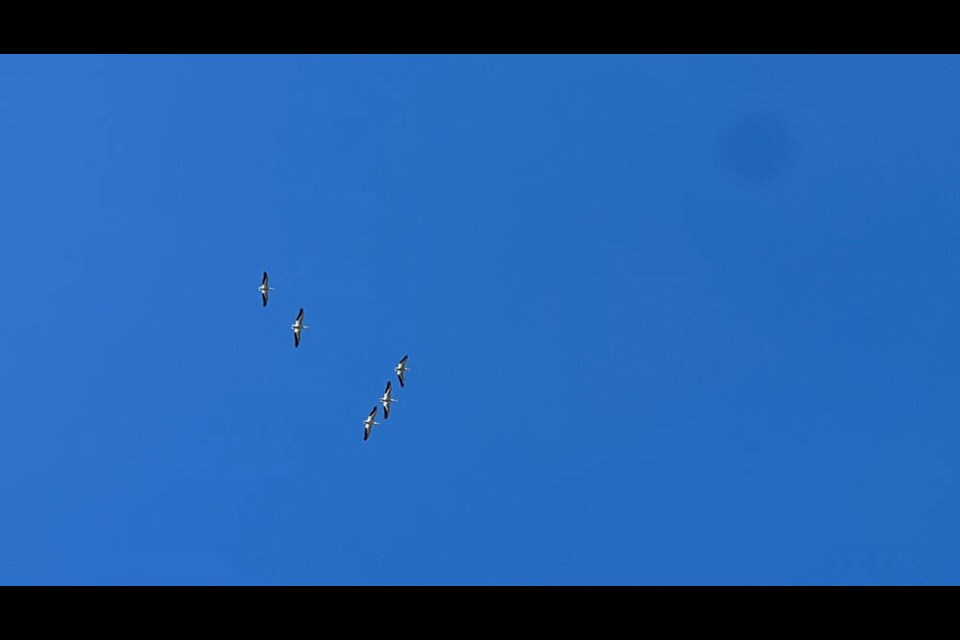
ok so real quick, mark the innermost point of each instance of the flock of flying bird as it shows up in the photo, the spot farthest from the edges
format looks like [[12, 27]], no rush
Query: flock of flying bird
[[385, 399]]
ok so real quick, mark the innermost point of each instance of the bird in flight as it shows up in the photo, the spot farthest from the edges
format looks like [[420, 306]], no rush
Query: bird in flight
[[265, 288], [369, 423], [385, 400], [297, 326], [401, 368]]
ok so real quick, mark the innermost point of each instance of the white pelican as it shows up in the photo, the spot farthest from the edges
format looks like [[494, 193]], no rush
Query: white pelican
[[264, 289], [401, 368], [297, 326], [369, 423], [385, 400]]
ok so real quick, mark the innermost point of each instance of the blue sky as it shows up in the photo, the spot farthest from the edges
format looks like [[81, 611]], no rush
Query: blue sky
[[671, 319]]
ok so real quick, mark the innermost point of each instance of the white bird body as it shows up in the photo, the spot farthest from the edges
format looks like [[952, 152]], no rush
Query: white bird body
[[265, 288], [385, 400], [369, 423], [401, 368], [297, 326]]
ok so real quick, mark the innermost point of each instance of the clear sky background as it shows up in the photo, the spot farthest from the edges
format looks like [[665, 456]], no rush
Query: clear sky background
[[671, 319]]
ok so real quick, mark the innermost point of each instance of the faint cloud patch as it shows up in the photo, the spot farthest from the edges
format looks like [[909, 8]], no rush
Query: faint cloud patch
[[757, 148]]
